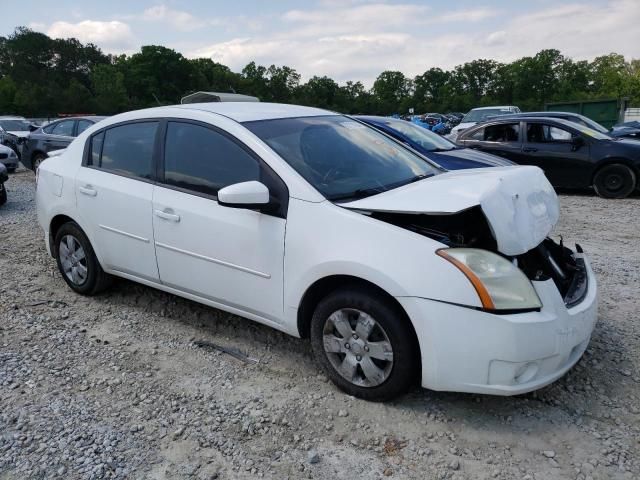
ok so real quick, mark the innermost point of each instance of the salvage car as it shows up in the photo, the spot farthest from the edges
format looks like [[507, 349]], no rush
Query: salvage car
[[14, 131], [54, 136], [319, 226], [433, 146], [4, 176], [8, 158], [571, 155], [626, 130], [478, 115]]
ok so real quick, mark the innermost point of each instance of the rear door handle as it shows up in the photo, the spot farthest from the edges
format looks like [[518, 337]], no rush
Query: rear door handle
[[167, 215], [88, 190], [529, 149]]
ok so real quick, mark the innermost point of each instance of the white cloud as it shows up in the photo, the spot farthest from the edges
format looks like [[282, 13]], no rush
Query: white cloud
[[178, 19], [112, 36], [358, 41]]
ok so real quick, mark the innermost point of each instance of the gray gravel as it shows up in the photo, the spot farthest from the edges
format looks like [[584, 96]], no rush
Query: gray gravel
[[114, 386]]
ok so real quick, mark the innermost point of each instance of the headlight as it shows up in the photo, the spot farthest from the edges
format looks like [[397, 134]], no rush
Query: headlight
[[499, 283]]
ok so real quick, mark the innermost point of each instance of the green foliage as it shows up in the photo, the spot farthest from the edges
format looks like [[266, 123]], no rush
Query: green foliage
[[44, 76]]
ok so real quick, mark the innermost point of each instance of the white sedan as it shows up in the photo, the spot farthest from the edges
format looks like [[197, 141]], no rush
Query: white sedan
[[320, 226]]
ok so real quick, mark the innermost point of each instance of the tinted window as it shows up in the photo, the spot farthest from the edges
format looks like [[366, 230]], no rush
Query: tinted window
[[127, 149], [425, 138], [506, 132], [96, 149], [83, 125], [540, 133], [200, 159], [63, 128]]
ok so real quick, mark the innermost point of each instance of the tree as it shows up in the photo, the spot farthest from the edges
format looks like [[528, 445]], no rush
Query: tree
[[392, 89]]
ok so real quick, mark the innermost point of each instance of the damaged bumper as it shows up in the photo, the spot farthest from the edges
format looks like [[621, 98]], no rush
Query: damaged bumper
[[469, 350]]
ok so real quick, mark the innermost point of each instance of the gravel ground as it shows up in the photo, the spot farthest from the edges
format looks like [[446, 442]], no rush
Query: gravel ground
[[115, 387]]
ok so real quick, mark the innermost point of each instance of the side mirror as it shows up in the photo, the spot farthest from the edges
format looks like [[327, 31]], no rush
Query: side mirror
[[576, 142], [250, 195]]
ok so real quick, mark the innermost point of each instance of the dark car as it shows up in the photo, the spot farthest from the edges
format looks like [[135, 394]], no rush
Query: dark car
[[433, 146], [622, 131], [571, 155], [54, 136], [627, 130], [4, 176]]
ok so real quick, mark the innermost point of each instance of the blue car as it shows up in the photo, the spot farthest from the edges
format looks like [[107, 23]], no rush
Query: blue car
[[436, 148]]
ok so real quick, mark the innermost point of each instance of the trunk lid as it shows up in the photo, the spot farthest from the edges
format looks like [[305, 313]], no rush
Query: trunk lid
[[519, 203]]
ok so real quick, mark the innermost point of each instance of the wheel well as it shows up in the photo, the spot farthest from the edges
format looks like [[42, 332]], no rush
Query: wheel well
[[321, 288], [36, 153], [56, 223], [611, 161]]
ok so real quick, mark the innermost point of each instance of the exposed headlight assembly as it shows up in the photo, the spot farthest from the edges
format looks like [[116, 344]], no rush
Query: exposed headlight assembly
[[499, 283]]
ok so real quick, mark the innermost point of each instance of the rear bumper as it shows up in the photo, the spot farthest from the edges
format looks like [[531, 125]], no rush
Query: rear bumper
[[467, 350]]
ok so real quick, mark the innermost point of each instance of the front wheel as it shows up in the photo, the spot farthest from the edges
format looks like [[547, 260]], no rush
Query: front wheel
[[365, 344], [614, 181], [77, 261]]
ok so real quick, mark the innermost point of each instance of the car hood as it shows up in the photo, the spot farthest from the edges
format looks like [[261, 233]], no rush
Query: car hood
[[519, 203], [458, 158], [462, 126], [19, 134]]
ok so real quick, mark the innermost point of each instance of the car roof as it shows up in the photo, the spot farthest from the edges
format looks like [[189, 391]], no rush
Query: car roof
[[252, 111], [494, 108], [11, 117], [376, 118], [553, 114], [80, 117], [524, 118]]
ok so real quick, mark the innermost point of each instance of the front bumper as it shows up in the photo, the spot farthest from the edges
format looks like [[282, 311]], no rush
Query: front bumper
[[468, 350], [10, 162]]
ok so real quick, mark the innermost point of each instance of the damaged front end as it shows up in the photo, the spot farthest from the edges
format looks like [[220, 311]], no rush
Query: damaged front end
[[470, 229]]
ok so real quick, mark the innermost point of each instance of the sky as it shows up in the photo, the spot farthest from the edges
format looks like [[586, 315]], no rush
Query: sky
[[344, 39]]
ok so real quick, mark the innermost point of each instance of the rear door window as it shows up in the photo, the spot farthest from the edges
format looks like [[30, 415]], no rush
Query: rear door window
[[125, 149]]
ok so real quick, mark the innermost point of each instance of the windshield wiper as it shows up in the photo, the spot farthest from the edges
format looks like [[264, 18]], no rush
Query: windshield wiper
[[359, 193]]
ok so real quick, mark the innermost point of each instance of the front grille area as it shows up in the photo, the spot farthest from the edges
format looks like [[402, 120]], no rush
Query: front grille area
[[554, 260]]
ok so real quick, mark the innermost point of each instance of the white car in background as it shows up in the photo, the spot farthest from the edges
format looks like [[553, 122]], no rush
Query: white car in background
[[320, 226], [478, 115]]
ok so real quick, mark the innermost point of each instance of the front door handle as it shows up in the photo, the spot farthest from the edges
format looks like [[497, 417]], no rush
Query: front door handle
[[529, 149], [167, 214], [88, 190]]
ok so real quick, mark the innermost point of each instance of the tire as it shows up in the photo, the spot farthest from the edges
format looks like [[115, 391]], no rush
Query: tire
[[394, 373], [37, 160], [3, 194], [614, 181], [81, 270]]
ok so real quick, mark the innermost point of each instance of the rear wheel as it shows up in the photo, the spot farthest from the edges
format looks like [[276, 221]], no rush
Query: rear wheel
[[614, 181], [77, 261], [364, 344], [37, 160]]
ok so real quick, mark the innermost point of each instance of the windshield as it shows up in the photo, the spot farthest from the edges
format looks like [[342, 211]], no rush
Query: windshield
[[343, 159], [591, 132], [420, 135], [594, 125], [14, 125], [478, 116]]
